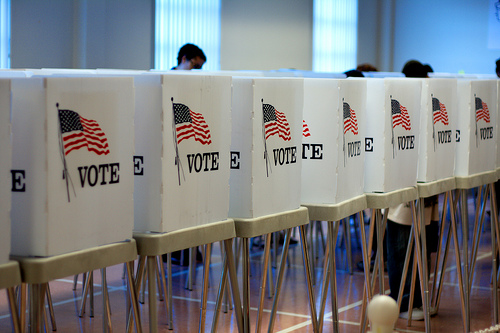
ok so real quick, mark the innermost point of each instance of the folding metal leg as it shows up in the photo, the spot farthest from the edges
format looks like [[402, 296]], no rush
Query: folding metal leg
[[265, 266], [153, 316], [246, 285], [16, 325], [280, 279], [206, 270], [220, 294], [464, 211], [51, 309], [233, 279], [422, 251], [306, 261], [332, 236]]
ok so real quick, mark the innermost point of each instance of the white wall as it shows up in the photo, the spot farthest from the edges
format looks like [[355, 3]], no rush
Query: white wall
[[450, 35], [82, 33], [266, 34]]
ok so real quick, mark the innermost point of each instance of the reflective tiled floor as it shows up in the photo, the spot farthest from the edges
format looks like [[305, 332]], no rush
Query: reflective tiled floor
[[293, 314]]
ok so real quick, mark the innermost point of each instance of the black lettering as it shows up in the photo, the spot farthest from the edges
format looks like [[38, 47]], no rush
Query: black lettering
[[406, 142], [486, 133], [305, 147], [84, 175], [18, 180], [215, 161], [285, 155], [138, 165], [354, 148], [369, 144], [190, 158], [294, 155], [206, 158], [457, 136], [102, 169], [235, 160], [93, 181], [317, 151], [114, 175]]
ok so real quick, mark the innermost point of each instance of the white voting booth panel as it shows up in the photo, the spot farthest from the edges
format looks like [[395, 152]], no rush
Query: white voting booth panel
[[183, 136], [476, 130], [438, 123], [5, 166], [265, 146], [392, 132], [73, 143], [333, 140]]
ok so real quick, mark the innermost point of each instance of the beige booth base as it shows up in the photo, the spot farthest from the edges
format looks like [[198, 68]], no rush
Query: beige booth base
[[254, 227], [152, 245], [429, 189], [336, 212], [38, 271], [10, 275], [479, 179], [391, 199], [155, 244], [45, 269]]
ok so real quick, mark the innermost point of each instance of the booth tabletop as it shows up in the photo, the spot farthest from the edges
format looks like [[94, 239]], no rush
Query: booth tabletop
[[391, 199], [428, 189], [479, 179], [36, 270], [254, 227], [155, 244], [336, 212], [10, 275]]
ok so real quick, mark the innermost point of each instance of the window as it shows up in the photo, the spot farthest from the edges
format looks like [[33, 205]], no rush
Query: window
[[4, 33], [178, 22], [334, 35]]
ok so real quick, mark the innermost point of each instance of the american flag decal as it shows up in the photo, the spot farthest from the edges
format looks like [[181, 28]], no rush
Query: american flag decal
[[190, 124], [439, 112], [78, 132], [275, 123], [482, 111], [400, 115], [305, 129], [350, 120]]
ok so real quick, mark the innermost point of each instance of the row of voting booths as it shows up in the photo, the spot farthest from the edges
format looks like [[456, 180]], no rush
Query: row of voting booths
[[107, 165]]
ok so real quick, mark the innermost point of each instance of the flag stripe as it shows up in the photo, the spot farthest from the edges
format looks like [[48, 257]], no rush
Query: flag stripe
[[350, 120], [79, 132], [400, 115], [439, 112], [275, 123], [305, 129], [191, 125], [482, 111]]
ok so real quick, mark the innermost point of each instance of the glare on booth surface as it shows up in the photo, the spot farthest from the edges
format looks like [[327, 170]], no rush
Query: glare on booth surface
[[4, 33]]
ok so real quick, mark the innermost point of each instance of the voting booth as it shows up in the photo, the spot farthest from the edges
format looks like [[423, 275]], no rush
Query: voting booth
[[498, 123], [73, 143], [333, 140], [392, 133], [476, 137], [265, 146], [183, 135], [5, 166], [438, 123]]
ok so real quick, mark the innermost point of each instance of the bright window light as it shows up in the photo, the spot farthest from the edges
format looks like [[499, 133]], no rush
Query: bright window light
[[4, 33], [178, 22], [334, 35]]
